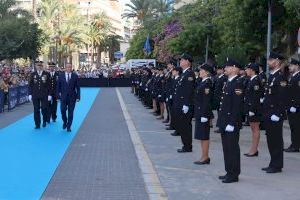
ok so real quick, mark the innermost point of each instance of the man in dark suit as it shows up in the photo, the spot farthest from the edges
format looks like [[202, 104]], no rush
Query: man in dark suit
[[39, 93], [183, 103], [52, 109], [68, 91]]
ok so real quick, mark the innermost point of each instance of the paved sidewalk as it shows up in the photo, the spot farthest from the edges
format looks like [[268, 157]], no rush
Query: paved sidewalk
[[182, 179], [9, 117], [101, 162]]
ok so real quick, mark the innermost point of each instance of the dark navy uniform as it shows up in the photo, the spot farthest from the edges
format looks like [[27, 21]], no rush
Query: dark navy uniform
[[184, 95], [230, 114], [203, 108], [294, 112], [168, 92], [52, 109], [274, 107], [39, 88], [253, 94], [218, 90]]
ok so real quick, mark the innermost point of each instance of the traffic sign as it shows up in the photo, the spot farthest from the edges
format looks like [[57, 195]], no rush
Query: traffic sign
[[118, 55]]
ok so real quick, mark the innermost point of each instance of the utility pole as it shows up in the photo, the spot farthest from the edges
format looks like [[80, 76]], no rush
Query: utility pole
[[269, 35]]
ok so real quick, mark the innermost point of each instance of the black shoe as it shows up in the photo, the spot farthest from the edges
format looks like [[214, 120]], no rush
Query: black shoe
[[170, 129], [166, 121], [273, 170], [175, 134], [223, 177], [205, 162], [69, 130], [44, 124], [230, 180], [291, 150], [217, 131], [251, 155], [37, 127], [64, 126], [48, 121], [183, 150], [54, 120], [265, 168]]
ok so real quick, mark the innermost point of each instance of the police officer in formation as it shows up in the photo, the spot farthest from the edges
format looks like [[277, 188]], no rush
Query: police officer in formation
[[39, 94], [52, 108], [235, 92]]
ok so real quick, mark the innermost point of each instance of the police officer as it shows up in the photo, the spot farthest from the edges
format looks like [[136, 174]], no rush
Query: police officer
[[160, 85], [168, 88], [183, 103], [218, 89], [52, 109], [202, 111], [230, 122], [253, 108], [274, 112], [293, 108], [176, 73], [39, 93]]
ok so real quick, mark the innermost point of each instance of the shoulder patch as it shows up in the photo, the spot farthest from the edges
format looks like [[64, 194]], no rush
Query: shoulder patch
[[190, 78], [283, 83], [256, 87], [238, 92], [206, 90]]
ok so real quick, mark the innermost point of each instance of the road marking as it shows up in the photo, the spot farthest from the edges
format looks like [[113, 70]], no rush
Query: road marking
[[151, 180]]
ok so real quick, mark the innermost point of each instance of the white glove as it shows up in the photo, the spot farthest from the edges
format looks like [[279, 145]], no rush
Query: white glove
[[30, 98], [275, 118], [293, 109], [146, 89], [203, 119], [159, 96], [49, 98], [251, 113], [167, 99], [141, 84], [185, 109], [229, 128], [170, 96], [262, 100]]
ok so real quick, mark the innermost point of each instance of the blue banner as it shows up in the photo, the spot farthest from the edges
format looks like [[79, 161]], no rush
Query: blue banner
[[1, 101], [22, 94], [12, 98]]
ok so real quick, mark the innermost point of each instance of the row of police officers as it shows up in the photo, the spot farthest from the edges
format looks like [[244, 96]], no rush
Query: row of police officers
[[240, 95]]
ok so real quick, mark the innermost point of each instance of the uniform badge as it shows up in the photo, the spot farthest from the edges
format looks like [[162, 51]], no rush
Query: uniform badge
[[283, 83], [206, 91], [238, 91], [256, 87], [190, 78], [34, 80], [34, 76]]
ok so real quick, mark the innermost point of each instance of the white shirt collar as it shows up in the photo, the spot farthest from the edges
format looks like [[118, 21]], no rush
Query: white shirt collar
[[274, 71], [294, 74], [220, 75], [230, 79], [185, 70], [205, 79], [176, 77], [253, 77]]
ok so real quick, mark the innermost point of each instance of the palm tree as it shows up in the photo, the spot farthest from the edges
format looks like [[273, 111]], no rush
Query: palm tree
[[163, 7], [113, 43], [139, 9], [7, 12]]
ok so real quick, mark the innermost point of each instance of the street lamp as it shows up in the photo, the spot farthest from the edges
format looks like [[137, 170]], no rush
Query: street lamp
[[269, 34]]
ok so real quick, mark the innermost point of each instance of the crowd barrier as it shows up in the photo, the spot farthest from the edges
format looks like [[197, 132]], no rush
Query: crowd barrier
[[104, 82], [1, 101], [16, 96]]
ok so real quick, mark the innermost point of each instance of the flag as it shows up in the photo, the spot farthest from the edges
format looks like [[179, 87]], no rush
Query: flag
[[147, 47]]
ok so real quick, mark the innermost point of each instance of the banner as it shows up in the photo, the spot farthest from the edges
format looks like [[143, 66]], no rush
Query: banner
[[12, 98], [1, 101], [22, 94]]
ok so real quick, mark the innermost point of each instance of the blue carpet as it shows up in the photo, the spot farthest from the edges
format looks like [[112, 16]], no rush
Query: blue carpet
[[29, 157]]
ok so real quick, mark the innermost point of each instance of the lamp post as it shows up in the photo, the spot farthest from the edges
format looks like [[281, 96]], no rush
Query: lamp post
[[269, 35]]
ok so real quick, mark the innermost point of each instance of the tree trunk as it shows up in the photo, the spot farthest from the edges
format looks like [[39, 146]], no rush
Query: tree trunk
[[98, 56]]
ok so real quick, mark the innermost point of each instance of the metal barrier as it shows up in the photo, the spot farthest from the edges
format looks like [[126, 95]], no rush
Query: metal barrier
[[104, 82], [17, 96]]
